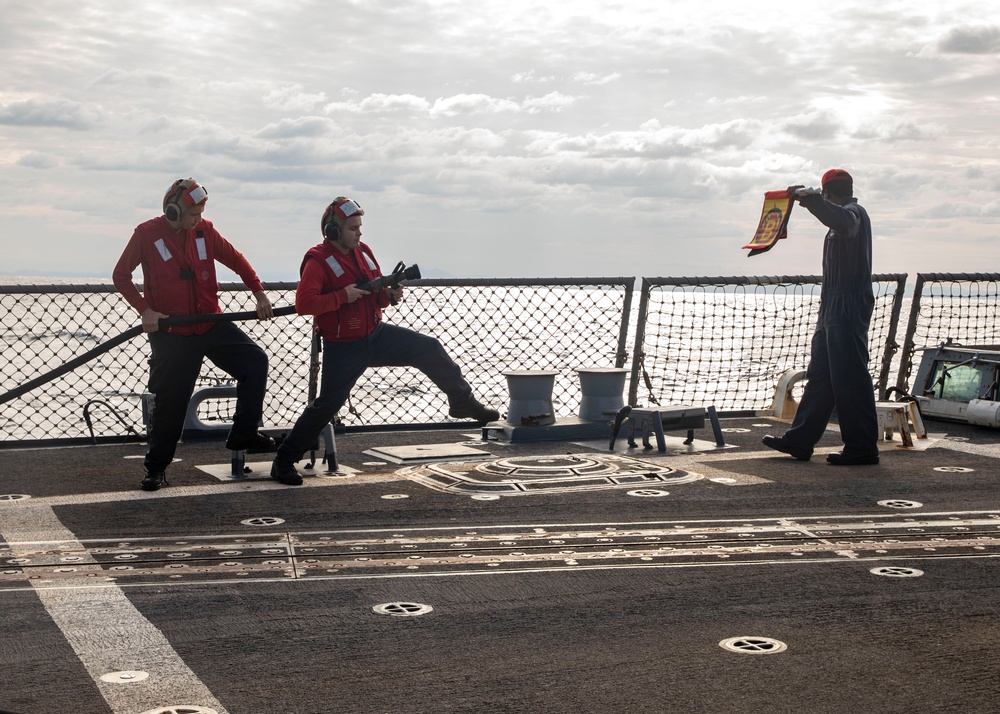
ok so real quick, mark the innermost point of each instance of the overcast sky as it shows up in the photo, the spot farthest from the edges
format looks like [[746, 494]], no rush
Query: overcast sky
[[559, 138]]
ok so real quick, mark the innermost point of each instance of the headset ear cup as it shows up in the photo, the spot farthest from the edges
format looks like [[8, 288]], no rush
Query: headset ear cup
[[332, 231], [172, 207]]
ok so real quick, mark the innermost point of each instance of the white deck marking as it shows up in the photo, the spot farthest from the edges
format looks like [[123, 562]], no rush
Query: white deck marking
[[106, 631], [200, 491]]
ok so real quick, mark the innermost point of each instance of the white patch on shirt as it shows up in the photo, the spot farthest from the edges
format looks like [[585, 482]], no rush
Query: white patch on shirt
[[164, 251], [335, 266]]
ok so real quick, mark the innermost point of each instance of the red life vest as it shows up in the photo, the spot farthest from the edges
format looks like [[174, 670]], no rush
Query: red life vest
[[176, 280], [353, 320]]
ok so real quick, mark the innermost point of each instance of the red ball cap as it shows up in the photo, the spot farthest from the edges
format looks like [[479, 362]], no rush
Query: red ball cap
[[836, 175]]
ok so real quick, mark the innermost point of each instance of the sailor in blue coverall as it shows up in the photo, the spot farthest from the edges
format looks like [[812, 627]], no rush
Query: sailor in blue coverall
[[837, 376]]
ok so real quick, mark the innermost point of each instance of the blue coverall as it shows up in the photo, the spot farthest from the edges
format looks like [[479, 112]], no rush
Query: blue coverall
[[837, 376]]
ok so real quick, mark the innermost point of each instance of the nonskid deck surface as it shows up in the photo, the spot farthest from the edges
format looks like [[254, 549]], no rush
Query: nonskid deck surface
[[541, 577]]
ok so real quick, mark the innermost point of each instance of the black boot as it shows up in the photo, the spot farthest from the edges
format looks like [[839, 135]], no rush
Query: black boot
[[472, 409], [284, 472], [779, 444], [153, 480], [255, 443]]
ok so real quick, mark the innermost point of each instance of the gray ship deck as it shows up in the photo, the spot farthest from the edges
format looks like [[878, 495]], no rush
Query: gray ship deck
[[544, 577]]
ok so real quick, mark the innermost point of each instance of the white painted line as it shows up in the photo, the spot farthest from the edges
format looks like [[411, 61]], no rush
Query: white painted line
[[230, 487], [105, 629]]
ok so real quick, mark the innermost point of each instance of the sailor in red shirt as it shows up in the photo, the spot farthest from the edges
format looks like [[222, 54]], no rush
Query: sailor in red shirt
[[177, 252], [349, 320]]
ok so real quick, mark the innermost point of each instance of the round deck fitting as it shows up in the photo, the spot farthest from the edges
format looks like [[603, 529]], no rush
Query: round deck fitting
[[753, 645], [900, 503], [896, 571], [403, 609]]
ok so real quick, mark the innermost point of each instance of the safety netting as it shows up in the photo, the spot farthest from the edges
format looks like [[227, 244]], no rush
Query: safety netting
[[720, 342], [489, 327], [725, 341], [950, 308]]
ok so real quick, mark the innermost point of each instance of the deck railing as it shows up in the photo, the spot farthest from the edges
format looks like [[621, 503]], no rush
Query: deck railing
[[714, 341]]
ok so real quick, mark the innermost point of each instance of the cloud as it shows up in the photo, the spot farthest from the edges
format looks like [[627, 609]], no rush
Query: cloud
[[50, 112], [302, 126], [453, 106], [990, 210], [529, 76], [380, 103], [393, 102], [815, 126], [556, 101], [651, 140], [737, 133], [431, 147], [898, 129], [617, 143], [293, 98], [153, 79], [737, 100], [596, 79], [971, 40], [473, 104], [38, 161], [682, 113]]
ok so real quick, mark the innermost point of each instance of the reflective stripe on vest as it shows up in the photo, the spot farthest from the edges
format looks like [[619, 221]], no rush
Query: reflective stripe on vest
[[337, 269], [368, 259], [202, 253], [162, 247]]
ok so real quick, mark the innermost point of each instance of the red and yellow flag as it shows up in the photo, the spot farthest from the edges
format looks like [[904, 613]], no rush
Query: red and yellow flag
[[773, 224]]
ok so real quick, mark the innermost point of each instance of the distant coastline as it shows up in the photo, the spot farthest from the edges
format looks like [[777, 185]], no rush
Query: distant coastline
[[33, 279]]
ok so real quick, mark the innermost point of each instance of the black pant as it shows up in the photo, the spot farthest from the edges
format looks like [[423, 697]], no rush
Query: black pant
[[173, 370], [838, 378], [345, 362]]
